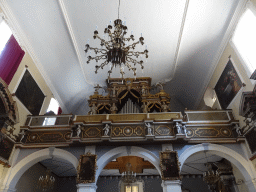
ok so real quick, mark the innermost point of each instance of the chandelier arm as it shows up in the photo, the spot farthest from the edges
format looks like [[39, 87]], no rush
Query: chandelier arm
[[101, 66], [133, 45], [96, 50], [97, 58], [111, 36], [135, 61], [106, 43]]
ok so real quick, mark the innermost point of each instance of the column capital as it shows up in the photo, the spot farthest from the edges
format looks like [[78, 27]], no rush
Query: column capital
[[171, 186], [174, 182], [86, 187]]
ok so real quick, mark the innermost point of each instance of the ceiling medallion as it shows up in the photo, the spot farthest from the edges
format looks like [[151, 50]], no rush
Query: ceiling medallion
[[116, 50]]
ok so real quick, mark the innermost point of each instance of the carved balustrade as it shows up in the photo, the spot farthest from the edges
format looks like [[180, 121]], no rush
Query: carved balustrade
[[193, 127]]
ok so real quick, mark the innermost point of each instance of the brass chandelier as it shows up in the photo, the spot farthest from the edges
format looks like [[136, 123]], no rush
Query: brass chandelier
[[47, 182], [116, 51], [128, 176]]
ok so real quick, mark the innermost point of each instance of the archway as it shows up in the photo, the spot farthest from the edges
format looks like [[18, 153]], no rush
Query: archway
[[17, 171], [246, 167], [124, 151]]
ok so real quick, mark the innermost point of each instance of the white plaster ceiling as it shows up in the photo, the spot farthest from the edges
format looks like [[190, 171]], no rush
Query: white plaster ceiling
[[60, 167], [195, 164], [185, 39]]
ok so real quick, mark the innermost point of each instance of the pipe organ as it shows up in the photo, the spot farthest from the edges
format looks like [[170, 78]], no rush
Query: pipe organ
[[128, 96]]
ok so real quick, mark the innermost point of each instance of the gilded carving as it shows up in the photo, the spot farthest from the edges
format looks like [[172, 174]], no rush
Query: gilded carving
[[128, 131], [120, 89], [51, 137], [117, 131], [164, 130], [92, 132], [207, 132]]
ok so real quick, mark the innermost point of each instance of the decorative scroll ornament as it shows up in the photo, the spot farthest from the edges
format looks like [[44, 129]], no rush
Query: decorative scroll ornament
[[47, 182], [116, 51], [128, 176]]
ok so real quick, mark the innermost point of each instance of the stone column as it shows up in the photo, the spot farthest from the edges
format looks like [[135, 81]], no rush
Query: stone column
[[86, 187], [171, 186]]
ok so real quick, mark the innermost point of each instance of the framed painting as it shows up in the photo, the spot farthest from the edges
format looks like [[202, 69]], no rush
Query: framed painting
[[30, 94], [228, 85], [87, 168], [169, 163]]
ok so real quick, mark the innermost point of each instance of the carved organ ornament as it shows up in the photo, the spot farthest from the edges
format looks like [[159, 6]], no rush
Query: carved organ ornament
[[129, 95], [8, 118]]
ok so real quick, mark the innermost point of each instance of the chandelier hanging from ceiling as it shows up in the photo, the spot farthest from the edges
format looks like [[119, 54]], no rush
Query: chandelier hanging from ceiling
[[47, 182], [212, 176], [116, 51], [128, 176]]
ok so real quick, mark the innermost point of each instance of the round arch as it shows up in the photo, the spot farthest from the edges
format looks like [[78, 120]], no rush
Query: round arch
[[17, 171], [246, 167], [122, 151]]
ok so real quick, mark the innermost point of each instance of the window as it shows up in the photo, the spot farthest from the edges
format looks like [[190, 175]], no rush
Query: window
[[5, 35], [244, 38], [53, 106], [129, 188]]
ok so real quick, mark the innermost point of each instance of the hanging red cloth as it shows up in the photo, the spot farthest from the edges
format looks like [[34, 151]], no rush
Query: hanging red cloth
[[59, 111], [10, 59]]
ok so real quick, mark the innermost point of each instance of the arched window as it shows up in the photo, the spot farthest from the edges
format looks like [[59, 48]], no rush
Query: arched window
[[5, 34]]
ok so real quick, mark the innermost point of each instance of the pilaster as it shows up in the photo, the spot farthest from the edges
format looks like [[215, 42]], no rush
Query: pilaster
[[86, 187], [171, 186]]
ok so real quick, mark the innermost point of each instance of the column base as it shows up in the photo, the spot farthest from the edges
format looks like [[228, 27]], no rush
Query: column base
[[86, 187], [171, 186]]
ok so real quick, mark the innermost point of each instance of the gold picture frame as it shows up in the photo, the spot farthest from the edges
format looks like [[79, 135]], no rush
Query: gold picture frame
[[86, 169], [170, 166]]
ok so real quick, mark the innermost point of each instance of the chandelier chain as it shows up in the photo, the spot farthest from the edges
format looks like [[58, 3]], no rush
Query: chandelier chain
[[118, 8]]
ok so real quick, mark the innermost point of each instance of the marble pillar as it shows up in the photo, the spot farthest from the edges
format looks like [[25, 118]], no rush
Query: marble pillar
[[171, 186]]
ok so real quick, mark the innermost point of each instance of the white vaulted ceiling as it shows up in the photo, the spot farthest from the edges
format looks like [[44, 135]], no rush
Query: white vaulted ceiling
[[185, 39]]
